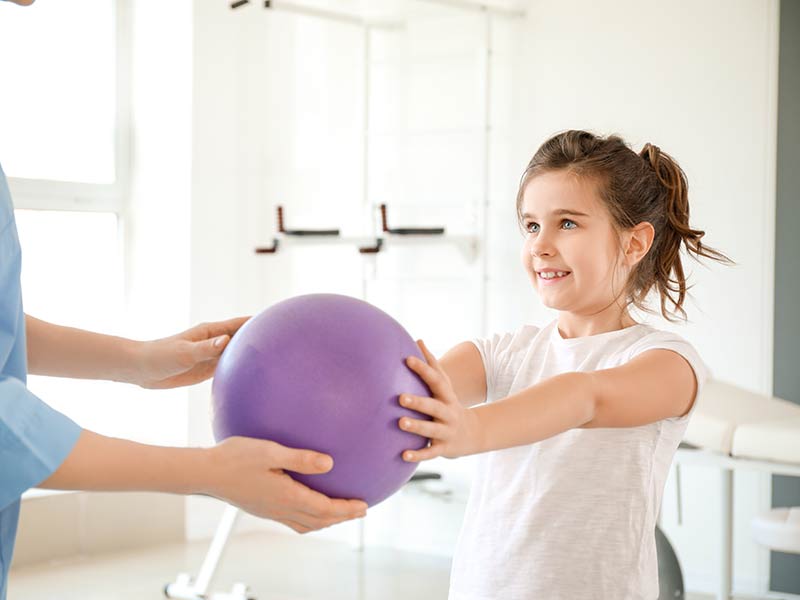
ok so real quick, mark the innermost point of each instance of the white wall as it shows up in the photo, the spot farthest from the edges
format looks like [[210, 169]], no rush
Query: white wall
[[156, 219], [155, 232], [277, 119]]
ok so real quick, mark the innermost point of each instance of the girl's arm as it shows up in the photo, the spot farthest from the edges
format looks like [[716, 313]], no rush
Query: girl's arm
[[242, 471], [464, 366], [655, 385], [183, 359]]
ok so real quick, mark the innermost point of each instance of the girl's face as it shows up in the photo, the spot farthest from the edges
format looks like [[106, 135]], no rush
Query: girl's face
[[571, 251]]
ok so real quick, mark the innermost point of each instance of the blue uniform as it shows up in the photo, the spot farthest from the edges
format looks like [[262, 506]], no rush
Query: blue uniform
[[34, 438]]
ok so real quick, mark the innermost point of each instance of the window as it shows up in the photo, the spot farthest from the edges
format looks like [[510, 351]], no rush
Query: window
[[63, 117], [72, 274], [58, 106]]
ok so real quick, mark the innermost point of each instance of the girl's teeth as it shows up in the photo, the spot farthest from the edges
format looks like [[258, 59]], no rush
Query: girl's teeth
[[552, 275]]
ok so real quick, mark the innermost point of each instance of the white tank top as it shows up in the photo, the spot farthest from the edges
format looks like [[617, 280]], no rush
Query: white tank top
[[571, 517]]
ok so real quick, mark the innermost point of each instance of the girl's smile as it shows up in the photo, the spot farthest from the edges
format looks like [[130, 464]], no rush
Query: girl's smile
[[551, 276]]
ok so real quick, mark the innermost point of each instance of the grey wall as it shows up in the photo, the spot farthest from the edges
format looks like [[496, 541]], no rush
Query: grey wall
[[785, 568]]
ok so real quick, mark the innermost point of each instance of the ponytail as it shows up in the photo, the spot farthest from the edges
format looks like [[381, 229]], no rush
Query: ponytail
[[672, 288]]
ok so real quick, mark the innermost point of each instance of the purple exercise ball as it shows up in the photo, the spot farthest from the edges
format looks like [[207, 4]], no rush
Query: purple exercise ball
[[324, 372]]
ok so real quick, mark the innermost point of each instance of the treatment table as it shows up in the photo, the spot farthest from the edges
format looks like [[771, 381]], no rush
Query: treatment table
[[732, 429]]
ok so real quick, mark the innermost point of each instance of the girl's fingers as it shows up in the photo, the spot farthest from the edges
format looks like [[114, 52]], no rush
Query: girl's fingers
[[427, 354], [430, 376], [430, 358], [429, 406], [419, 455], [421, 368], [428, 429]]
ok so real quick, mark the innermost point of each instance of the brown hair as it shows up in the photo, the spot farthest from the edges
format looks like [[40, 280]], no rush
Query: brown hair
[[649, 186]]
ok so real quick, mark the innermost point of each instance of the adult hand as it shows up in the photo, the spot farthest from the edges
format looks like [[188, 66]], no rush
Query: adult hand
[[454, 430], [250, 474], [186, 358], [246, 472]]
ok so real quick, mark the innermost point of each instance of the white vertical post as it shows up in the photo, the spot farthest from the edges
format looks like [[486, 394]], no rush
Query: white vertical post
[[368, 265], [224, 530], [483, 211], [726, 525]]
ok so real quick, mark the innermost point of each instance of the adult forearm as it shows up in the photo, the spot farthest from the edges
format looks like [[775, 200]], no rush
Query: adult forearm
[[68, 352], [101, 463], [245, 472], [536, 413]]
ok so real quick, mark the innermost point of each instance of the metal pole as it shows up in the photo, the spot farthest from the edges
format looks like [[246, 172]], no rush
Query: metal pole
[[726, 523], [330, 15], [483, 212], [224, 530], [479, 6], [368, 265]]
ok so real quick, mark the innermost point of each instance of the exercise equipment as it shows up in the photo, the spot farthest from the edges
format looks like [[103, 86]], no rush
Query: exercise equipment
[[324, 372], [670, 575], [734, 429]]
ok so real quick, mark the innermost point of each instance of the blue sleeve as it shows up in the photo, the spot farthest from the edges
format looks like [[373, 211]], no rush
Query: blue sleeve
[[34, 439]]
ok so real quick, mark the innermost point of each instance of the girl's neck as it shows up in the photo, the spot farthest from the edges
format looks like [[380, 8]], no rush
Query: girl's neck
[[572, 325]]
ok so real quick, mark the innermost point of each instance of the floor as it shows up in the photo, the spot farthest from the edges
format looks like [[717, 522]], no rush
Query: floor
[[275, 567], [278, 567]]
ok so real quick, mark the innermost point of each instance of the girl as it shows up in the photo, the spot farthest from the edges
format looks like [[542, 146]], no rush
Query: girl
[[578, 420]]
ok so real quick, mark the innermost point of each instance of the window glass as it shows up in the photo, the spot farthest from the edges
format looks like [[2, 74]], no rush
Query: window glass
[[58, 93]]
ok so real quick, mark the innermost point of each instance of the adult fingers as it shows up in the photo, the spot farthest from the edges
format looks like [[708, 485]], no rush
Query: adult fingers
[[319, 506], [305, 523], [307, 462], [297, 526], [341, 509], [227, 327], [209, 349]]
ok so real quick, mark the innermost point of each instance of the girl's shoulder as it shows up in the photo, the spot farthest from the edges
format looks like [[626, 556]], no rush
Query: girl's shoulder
[[508, 342], [646, 336], [651, 338], [522, 336]]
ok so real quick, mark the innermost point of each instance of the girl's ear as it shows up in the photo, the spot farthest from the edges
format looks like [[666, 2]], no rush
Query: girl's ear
[[639, 241]]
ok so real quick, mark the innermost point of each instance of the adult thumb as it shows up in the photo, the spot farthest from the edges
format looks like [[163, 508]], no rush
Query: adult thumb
[[306, 462], [211, 348]]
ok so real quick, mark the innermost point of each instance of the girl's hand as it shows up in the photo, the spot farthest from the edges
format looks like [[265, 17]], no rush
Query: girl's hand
[[454, 430], [186, 358]]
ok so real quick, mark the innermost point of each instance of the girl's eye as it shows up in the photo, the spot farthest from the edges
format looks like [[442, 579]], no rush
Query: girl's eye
[[568, 224], [532, 227]]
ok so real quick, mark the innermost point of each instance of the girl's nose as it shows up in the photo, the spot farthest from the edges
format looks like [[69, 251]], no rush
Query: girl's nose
[[541, 247]]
